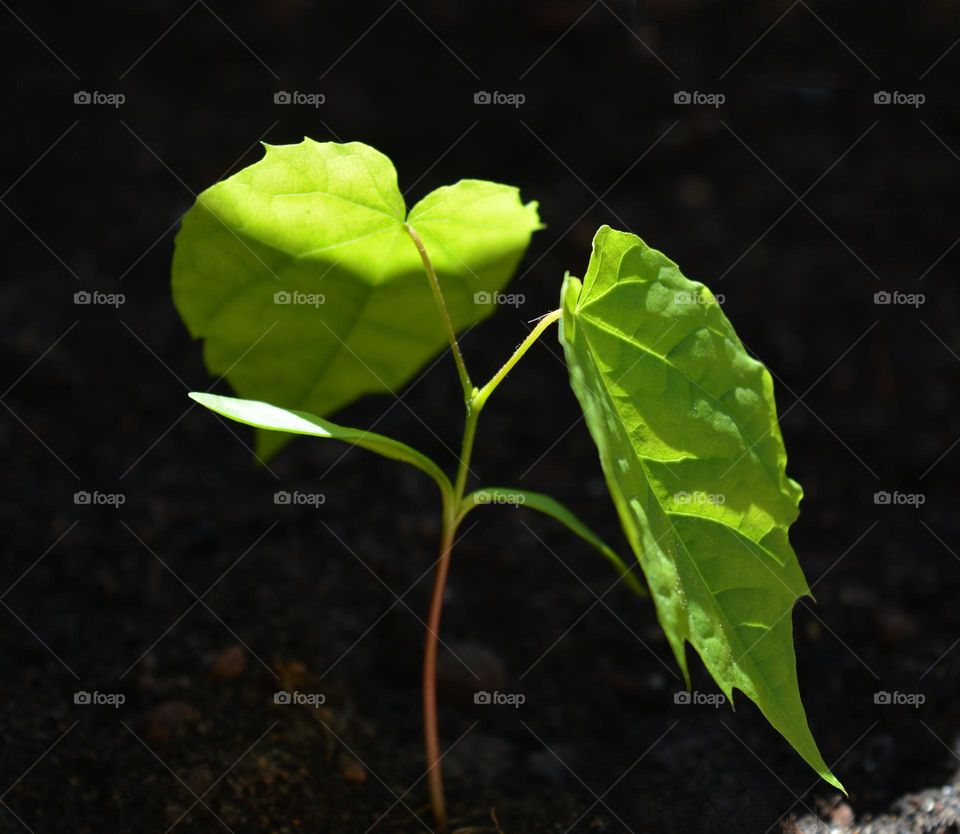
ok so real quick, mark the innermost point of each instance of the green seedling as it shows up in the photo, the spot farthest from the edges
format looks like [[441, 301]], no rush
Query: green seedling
[[311, 283]]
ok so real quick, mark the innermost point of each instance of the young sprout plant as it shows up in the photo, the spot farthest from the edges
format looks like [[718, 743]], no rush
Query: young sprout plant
[[311, 284]]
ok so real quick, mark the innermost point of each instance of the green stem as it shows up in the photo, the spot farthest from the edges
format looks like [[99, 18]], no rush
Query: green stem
[[466, 452], [444, 312], [474, 401], [525, 345]]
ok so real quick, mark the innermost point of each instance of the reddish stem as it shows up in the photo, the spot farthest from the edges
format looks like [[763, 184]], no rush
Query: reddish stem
[[430, 727]]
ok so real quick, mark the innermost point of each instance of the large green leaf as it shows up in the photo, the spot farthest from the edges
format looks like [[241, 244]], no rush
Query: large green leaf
[[270, 418], [324, 224], [686, 426]]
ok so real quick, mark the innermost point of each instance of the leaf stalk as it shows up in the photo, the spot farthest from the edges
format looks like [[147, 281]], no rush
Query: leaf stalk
[[444, 312], [484, 393]]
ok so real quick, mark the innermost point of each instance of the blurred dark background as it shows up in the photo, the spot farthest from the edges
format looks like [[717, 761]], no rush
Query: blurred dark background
[[797, 198]]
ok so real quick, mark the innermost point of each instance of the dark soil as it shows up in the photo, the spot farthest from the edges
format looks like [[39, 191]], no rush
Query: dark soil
[[105, 599]]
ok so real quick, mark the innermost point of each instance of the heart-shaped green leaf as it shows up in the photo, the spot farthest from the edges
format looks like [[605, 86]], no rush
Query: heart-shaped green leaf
[[300, 276], [686, 426]]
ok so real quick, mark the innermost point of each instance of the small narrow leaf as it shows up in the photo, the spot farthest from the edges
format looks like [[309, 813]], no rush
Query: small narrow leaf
[[553, 508], [300, 276], [686, 426], [270, 418]]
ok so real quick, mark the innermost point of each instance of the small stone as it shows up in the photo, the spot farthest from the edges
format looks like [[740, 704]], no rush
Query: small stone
[[469, 668], [167, 719], [230, 664], [842, 816], [351, 770]]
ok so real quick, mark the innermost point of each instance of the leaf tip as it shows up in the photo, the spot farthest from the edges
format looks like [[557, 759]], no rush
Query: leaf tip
[[833, 780], [601, 233], [212, 401]]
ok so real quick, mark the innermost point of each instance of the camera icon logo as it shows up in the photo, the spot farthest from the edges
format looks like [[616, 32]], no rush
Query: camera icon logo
[[881, 97], [682, 697], [282, 697], [81, 697], [281, 97], [82, 297], [882, 698], [82, 497], [681, 97], [481, 97], [882, 497], [882, 297], [482, 297], [482, 698], [81, 97], [281, 497], [282, 297]]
